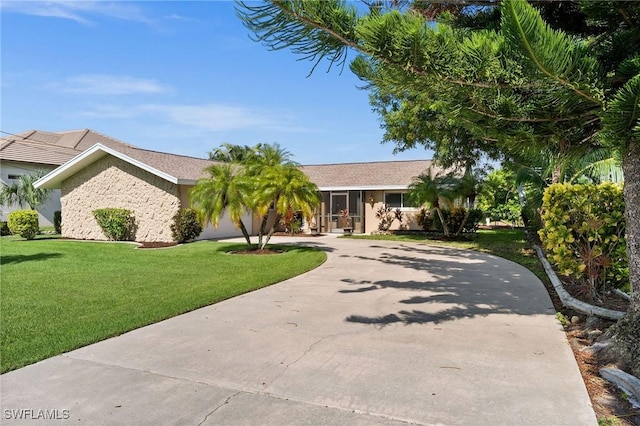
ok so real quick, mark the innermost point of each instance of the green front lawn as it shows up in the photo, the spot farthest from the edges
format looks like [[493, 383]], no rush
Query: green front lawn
[[58, 295]]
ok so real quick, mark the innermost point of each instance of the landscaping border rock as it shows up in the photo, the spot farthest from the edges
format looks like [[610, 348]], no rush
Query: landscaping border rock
[[568, 300], [625, 381]]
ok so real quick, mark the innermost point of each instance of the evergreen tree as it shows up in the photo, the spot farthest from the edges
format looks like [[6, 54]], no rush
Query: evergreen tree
[[487, 77]]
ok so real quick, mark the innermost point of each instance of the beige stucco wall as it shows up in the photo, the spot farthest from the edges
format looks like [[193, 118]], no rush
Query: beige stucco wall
[[371, 222], [111, 182]]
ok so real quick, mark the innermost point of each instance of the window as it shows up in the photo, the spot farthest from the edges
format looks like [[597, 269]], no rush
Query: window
[[398, 199]]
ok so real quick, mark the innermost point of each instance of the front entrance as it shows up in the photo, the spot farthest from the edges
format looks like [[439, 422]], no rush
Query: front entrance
[[336, 202], [338, 205]]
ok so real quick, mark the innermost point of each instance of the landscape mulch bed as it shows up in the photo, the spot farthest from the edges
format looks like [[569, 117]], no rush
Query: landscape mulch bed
[[609, 403], [155, 244]]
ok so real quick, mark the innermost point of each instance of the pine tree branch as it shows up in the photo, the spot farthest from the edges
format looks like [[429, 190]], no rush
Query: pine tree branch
[[533, 120], [410, 68], [536, 60]]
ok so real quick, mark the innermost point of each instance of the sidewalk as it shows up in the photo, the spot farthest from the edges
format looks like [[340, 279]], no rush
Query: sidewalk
[[383, 333]]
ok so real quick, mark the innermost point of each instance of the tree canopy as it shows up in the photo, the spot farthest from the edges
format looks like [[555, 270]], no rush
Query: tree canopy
[[260, 179], [495, 77]]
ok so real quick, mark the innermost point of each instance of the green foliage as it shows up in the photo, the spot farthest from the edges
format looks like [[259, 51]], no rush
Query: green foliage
[[22, 192], [473, 220], [386, 216], [185, 226], [532, 219], [263, 182], [424, 218], [59, 295], [290, 222], [116, 224], [23, 223], [57, 221], [584, 233], [4, 229]]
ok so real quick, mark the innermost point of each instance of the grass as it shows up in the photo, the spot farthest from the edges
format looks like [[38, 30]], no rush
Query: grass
[[59, 295], [510, 244]]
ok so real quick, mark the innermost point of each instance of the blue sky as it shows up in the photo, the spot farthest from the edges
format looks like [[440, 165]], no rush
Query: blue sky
[[179, 77]]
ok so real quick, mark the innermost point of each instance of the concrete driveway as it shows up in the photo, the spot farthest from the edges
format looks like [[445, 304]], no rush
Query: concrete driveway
[[383, 333]]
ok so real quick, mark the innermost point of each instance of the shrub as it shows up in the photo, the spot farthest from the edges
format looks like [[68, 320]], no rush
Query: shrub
[[424, 219], [584, 233], [387, 215], [4, 229], [532, 220], [23, 223], [474, 219], [57, 221], [116, 224], [185, 226], [290, 222]]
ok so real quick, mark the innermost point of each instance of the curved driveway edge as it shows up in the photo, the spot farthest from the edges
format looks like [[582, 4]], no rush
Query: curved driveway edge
[[383, 333]]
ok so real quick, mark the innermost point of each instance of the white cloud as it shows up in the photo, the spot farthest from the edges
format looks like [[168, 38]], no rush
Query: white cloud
[[105, 84], [78, 11], [199, 118], [215, 117]]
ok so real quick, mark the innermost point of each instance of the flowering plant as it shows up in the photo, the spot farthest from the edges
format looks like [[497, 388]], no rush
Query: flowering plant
[[345, 218]]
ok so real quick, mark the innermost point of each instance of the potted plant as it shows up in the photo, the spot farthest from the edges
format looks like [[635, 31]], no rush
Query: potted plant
[[347, 229]]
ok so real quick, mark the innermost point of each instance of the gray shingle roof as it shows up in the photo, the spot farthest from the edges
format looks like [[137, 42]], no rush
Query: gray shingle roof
[[55, 148], [180, 166], [368, 175]]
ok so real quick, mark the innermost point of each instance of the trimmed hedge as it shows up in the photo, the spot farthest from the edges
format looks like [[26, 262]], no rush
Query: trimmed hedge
[[24, 223], [57, 221], [4, 229], [185, 226], [116, 224], [584, 233]]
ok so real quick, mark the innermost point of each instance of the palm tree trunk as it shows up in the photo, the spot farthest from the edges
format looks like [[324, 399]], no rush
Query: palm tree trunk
[[628, 334], [263, 227], [270, 233], [445, 228], [464, 222], [245, 233]]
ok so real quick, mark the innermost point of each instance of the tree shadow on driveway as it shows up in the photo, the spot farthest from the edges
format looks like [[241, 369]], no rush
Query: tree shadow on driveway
[[450, 284]]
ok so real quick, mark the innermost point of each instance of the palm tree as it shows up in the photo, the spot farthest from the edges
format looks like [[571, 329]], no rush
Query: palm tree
[[286, 188], [468, 187], [434, 192], [23, 192], [225, 190]]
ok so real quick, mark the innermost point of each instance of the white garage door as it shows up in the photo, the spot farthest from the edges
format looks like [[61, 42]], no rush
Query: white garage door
[[225, 229]]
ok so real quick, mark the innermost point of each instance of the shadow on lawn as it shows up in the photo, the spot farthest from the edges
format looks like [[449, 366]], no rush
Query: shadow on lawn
[[20, 258]]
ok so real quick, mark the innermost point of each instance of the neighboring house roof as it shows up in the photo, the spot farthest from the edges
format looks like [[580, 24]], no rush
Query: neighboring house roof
[[53, 148], [174, 168], [375, 175]]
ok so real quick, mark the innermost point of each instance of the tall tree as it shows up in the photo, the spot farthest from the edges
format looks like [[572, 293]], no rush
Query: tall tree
[[506, 77], [22, 192], [435, 193], [263, 180], [279, 186], [224, 191]]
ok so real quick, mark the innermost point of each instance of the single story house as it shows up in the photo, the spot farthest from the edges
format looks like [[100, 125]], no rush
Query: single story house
[[363, 188], [155, 185], [34, 150]]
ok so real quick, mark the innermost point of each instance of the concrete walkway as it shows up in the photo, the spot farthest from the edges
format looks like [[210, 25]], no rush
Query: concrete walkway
[[383, 333]]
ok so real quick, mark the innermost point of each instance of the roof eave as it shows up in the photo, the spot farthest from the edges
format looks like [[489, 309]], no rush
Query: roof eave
[[54, 178], [364, 188]]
